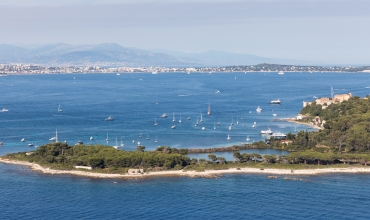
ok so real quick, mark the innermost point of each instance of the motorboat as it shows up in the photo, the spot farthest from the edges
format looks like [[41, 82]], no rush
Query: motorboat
[[1, 143], [22, 140], [164, 115], [79, 143], [173, 126], [91, 138], [110, 118], [203, 128], [230, 128], [258, 109], [268, 131], [53, 139], [278, 135], [281, 73], [30, 145], [189, 118], [274, 115], [4, 110], [218, 92], [277, 101]]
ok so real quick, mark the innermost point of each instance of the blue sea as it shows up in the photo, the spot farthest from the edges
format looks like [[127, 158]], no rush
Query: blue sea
[[135, 100]]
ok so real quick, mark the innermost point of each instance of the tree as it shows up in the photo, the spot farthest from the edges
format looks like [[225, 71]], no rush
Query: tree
[[212, 157]]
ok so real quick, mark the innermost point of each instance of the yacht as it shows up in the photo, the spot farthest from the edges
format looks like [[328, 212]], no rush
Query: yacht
[[228, 137], [274, 115], [268, 131], [110, 118], [30, 145], [22, 140], [278, 135], [277, 101], [164, 115], [4, 110], [52, 139], [118, 74], [281, 73], [173, 126], [91, 138], [154, 72], [254, 125], [230, 128], [258, 109], [218, 92], [203, 128]]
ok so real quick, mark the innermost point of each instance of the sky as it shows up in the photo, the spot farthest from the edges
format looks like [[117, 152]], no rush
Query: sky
[[326, 31]]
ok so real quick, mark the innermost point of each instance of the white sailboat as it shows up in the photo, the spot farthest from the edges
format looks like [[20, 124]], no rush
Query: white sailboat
[[201, 118], [237, 120], [180, 121], [116, 146], [147, 136], [228, 137], [196, 124], [22, 140], [219, 122], [209, 109], [259, 110], [203, 128], [107, 139], [91, 138], [173, 126], [214, 126], [247, 138], [155, 121], [59, 109], [156, 141], [173, 117], [189, 118], [122, 144], [232, 121]]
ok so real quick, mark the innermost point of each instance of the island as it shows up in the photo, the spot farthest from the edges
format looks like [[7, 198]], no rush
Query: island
[[341, 146]]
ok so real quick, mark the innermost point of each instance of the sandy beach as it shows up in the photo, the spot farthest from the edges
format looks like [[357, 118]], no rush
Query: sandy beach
[[293, 120], [207, 173]]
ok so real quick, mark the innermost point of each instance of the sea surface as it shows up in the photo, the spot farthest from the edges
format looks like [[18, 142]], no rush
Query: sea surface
[[135, 100]]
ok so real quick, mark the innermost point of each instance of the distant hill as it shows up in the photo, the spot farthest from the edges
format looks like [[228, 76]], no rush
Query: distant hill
[[111, 54]]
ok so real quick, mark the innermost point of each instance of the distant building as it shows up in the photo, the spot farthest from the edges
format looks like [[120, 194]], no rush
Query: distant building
[[325, 102]]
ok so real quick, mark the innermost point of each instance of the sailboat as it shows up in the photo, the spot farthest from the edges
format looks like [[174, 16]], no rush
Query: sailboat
[[91, 138], [147, 136], [155, 121], [209, 109], [201, 119], [116, 146], [122, 144], [56, 136], [214, 126], [22, 140], [228, 137], [196, 124], [219, 122], [140, 135], [173, 117], [237, 120], [107, 139], [232, 121], [180, 121], [247, 138], [59, 109], [156, 139]]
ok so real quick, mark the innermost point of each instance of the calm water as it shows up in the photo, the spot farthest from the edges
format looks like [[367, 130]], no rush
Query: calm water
[[135, 100]]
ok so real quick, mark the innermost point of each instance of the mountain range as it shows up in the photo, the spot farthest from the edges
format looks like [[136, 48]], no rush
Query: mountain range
[[111, 54]]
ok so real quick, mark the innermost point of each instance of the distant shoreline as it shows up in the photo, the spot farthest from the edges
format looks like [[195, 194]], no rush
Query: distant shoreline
[[292, 120], [192, 174]]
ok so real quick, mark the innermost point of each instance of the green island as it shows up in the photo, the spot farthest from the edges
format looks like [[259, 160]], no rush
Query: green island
[[344, 142]]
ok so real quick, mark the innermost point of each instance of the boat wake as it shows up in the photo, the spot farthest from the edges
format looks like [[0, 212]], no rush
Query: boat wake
[[186, 94]]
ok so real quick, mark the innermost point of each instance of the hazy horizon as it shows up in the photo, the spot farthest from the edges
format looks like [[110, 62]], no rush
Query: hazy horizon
[[329, 31]]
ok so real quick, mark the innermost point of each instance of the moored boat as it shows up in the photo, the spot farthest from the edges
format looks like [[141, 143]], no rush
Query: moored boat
[[277, 101], [110, 118]]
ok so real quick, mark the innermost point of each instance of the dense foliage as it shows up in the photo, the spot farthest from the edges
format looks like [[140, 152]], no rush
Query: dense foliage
[[100, 156], [346, 128]]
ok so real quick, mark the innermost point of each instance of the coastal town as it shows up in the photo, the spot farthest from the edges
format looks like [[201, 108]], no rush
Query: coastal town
[[22, 68]]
